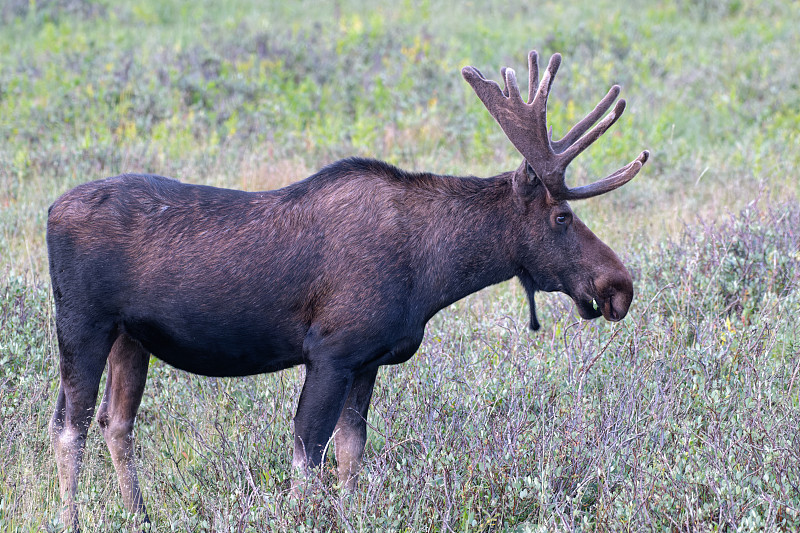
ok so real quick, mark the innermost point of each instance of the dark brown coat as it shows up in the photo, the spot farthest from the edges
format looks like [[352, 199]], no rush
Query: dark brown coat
[[339, 272]]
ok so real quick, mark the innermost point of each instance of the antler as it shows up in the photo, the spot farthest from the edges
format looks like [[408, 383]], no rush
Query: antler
[[525, 125]]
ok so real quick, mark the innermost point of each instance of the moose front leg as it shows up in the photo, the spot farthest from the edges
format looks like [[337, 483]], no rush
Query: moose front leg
[[324, 393], [350, 435]]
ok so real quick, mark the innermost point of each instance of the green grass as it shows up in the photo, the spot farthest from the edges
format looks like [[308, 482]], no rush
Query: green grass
[[682, 417]]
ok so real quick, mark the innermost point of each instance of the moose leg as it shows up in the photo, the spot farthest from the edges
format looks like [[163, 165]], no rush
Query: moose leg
[[80, 380], [324, 393], [350, 436], [125, 381]]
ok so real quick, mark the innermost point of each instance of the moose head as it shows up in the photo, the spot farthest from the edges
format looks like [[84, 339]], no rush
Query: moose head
[[567, 256]]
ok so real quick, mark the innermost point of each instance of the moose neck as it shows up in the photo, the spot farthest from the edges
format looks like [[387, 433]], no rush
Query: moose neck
[[469, 242]]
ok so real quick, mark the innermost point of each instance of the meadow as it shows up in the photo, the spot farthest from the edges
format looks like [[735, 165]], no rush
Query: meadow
[[682, 417]]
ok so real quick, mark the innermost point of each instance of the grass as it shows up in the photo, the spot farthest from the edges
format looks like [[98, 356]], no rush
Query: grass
[[683, 417]]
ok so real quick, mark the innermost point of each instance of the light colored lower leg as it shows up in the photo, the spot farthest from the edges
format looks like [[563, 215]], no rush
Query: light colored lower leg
[[119, 438], [350, 436], [349, 441], [68, 444], [300, 470]]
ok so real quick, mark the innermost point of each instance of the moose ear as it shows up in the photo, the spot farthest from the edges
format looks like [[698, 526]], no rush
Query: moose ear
[[524, 183]]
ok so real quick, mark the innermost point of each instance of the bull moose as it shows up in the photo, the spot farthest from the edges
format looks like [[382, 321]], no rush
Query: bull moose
[[339, 272]]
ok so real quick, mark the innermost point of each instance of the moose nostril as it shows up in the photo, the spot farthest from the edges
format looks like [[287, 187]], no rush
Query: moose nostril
[[609, 311], [619, 304]]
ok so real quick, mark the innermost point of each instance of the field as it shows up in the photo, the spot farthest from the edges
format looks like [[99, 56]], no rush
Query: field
[[682, 417]]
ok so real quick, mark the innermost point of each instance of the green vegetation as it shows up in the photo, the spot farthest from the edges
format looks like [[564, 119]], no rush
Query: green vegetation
[[683, 417]]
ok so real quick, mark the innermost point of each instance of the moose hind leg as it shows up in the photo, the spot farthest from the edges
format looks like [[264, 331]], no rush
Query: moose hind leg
[[350, 436], [81, 365], [125, 382]]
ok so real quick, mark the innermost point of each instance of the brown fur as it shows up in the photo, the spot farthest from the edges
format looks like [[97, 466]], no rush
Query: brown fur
[[339, 272]]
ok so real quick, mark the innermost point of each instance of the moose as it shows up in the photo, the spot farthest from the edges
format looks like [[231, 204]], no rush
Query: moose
[[339, 272]]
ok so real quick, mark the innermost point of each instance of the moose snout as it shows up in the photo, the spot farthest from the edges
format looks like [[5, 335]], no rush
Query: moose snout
[[615, 308], [616, 295]]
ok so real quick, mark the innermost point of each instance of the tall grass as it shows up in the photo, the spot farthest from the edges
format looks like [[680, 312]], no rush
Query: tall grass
[[683, 417]]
